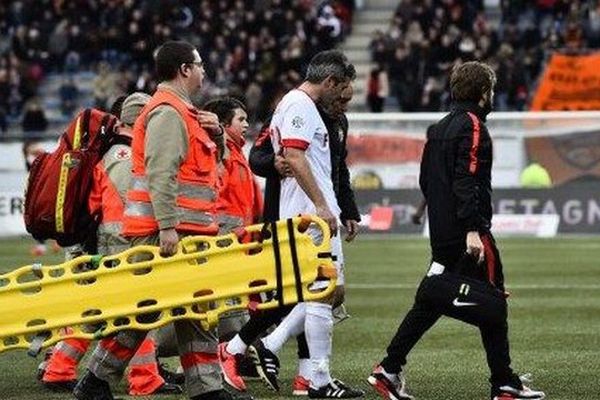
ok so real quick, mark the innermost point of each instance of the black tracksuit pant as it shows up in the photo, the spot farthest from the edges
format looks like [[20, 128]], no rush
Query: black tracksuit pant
[[459, 293]]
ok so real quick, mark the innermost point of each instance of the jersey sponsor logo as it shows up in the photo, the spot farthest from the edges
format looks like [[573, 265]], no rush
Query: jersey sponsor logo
[[297, 122], [458, 303]]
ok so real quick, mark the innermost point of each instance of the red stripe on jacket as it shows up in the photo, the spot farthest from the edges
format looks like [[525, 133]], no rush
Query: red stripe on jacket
[[475, 145]]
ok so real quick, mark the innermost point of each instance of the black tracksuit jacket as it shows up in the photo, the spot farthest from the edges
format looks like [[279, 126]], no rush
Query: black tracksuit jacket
[[262, 164], [456, 177]]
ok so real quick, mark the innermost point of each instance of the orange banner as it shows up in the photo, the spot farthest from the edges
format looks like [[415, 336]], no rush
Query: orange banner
[[569, 83]]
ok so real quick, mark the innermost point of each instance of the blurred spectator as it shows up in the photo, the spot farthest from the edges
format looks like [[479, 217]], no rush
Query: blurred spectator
[[34, 119], [329, 27], [236, 39], [377, 89], [426, 38], [105, 86], [69, 94]]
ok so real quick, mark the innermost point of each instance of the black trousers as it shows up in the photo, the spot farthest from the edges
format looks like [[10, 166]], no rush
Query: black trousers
[[464, 298]]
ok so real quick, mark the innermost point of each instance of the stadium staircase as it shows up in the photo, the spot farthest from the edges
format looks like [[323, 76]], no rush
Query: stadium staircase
[[375, 14], [49, 92]]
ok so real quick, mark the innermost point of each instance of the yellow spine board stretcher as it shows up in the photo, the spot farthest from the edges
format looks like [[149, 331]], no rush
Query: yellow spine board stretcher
[[96, 296]]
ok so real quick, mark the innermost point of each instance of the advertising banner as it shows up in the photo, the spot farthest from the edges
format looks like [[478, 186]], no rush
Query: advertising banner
[[11, 213], [577, 206], [567, 157]]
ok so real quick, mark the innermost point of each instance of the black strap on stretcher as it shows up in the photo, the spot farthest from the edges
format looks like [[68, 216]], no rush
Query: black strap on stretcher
[[298, 278], [277, 256]]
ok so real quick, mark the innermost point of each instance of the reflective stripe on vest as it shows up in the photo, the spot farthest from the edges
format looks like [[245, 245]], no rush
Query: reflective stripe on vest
[[230, 220], [195, 192], [110, 228], [185, 215]]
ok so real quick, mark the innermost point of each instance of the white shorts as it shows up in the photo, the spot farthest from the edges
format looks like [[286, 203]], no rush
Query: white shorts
[[337, 253]]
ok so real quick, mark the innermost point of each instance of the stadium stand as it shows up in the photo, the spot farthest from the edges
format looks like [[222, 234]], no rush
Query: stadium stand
[[425, 38], [72, 54], [90, 52]]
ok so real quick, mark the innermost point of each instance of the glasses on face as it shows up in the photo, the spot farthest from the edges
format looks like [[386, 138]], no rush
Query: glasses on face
[[199, 64]]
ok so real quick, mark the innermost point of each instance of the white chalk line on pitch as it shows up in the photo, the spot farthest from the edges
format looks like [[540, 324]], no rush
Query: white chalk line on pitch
[[373, 286]]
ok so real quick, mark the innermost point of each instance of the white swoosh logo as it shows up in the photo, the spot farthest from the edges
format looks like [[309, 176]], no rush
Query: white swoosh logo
[[462, 303]]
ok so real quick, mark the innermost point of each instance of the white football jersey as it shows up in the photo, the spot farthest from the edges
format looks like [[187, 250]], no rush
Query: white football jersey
[[297, 123]]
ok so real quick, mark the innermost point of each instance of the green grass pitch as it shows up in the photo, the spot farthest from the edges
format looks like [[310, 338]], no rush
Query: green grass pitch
[[554, 322]]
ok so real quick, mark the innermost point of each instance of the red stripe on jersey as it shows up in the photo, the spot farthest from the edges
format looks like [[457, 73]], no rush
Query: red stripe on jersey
[[475, 145], [295, 143], [490, 258]]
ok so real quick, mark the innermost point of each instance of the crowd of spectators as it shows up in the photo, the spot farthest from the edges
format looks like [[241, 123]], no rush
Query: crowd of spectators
[[254, 49], [426, 38]]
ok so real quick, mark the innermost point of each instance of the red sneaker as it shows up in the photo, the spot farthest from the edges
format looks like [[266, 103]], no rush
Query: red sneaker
[[229, 367], [300, 386]]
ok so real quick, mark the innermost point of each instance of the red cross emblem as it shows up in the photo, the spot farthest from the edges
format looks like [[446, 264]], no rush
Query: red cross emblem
[[123, 154]]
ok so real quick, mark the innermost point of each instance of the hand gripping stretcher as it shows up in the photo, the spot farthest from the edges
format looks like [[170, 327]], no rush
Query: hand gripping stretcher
[[94, 296]]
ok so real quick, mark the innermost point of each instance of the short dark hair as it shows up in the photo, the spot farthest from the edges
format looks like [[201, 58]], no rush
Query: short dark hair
[[470, 80], [117, 105], [170, 56], [330, 63], [224, 108]]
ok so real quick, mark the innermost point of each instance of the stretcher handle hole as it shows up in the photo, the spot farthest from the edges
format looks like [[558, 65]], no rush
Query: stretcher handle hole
[[31, 290], [203, 292], [36, 322], [121, 321], [56, 272], [142, 271], [148, 318], [111, 262], [201, 260], [258, 283], [177, 311], [86, 281], [4, 282], [83, 267], [29, 276], [222, 243], [90, 313], [10, 341], [41, 334], [140, 256], [147, 303]]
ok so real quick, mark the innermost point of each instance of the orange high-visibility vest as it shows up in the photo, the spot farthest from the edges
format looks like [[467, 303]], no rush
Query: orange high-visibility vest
[[104, 197], [197, 176], [238, 196]]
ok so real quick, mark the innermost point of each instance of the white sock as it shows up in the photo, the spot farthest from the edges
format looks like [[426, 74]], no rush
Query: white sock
[[291, 326], [305, 368], [236, 346], [319, 328]]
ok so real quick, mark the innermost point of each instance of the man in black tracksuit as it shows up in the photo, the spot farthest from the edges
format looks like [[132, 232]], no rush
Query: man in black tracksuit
[[264, 162], [465, 279]]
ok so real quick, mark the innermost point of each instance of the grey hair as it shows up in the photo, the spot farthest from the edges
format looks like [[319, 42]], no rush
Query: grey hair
[[330, 63]]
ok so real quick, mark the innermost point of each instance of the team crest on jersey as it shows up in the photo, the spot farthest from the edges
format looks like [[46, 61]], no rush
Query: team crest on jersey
[[297, 122], [123, 154]]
